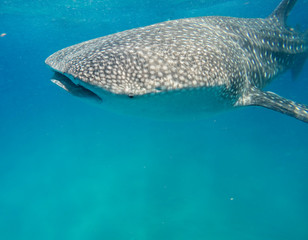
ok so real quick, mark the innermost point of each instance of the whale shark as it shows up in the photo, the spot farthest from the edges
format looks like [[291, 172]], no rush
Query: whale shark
[[187, 67]]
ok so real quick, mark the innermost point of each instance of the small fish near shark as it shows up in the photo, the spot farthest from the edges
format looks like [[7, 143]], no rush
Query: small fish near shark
[[188, 66]]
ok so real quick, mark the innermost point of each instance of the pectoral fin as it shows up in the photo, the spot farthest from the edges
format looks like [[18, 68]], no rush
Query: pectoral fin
[[256, 97]]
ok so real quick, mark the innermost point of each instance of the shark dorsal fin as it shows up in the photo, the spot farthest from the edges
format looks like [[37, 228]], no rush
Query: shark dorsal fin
[[282, 11]]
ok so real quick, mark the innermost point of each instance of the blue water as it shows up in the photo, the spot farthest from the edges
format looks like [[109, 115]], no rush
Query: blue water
[[71, 170]]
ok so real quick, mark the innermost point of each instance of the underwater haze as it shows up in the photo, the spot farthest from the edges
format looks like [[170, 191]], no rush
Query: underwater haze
[[70, 170]]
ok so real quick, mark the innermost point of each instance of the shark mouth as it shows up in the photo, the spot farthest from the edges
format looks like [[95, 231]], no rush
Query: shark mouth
[[75, 89]]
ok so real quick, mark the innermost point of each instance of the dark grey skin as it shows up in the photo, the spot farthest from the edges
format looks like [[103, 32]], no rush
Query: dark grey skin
[[187, 67]]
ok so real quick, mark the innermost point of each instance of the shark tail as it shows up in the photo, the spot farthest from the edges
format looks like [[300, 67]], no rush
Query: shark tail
[[270, 100], [282, 11]]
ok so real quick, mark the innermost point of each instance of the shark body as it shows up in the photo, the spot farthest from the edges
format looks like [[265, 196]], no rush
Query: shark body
[[187, 66]]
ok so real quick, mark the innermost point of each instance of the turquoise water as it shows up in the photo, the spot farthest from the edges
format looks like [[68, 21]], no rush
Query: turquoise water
[[71, 170]]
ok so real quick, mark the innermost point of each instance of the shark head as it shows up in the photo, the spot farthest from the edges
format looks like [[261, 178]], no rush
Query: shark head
[[120, 93]]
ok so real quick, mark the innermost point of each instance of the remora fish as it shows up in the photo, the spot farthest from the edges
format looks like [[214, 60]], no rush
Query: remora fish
[[187, 66]]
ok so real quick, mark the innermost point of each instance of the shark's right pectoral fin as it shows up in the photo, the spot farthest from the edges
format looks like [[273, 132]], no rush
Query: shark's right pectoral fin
[[256, 97]]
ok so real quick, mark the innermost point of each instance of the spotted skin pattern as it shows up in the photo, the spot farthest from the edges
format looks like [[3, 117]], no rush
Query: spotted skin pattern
[[234, 57]]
